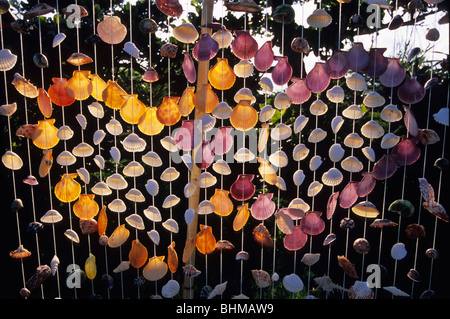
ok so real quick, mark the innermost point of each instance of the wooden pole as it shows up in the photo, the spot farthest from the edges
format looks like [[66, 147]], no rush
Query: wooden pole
[[202, 79]]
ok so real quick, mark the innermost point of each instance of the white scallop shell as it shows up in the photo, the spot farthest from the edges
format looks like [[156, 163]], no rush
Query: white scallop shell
[[356, 82], [135, 195], [310, 259], [352, 164], [298, 177], [222, 111], [101, 189], [243, 69], [318, 108], [314, 188], [171, 225], [152, 159], [223, 37], [300, 123], [389, 140], [134, 220], [7, 60], [170, 174], [130, 48], [96, 110], [114, 127], [244, 94], [206, 179], [54, 263], [81, 119], [186, 33], [169, 144], [134, 143], [280, 183], [116, 182], [83, 150], [65, 133], [353, 112], [266, 113], [369, 153], [205, 207], [398, 251], [60, 37], [279, 159], [221, 167], [84, 175], [153, 214], [441, 116], [293, 283], [336, 152], [281, 132], [117, 206], [319, 19], [317, 135], [266, 84], [154, 236], [300, 204], [152, 187], [332, 177], [72, 235], [244, 155], [336, 94], [208, 122], [372, 129], [98, 136], [170, 201], [99, 161], [133, 169], [300, 152], [315, 162], [391, 113], [8, 109], [336, 123], [373, 99], [282, 101], [189, 189], [170, 289], [66, 158], [51, 217], [353, 140], [115, 154], [189, 216], [188, 161]]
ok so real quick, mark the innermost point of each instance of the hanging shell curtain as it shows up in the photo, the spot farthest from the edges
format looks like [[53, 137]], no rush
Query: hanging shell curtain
[[329, 170]]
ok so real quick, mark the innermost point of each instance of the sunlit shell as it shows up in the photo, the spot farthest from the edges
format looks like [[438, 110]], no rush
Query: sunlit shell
[[51, 217], [170, 174], [224, 37], [170, 201], [266, 84], [365, 209], [98, 136], [118, 237], [373, 99], [389, 140], [298, 203], [318, 107], [167, 112], [332, 177], [152, 159], [65, 133], [58, 39], [78, 86], [293, 283], [132, 109], [279, 159], [284, 222], [67, 189], [83, 149], [336, 152], [383, 222], [81, 119], [8, 109], [205, 240], [98, 86], [117, 205], [24, 87], [7, 60], [153, 214], [353, 112], [352, 164], [72, 235], [96, 110], [152, 187], [336, 94], [347, 266], [222, 111], [398, 251], [116, 182], [262, 278], [124, 265], [319, 19], [310, 259], [282, 101], [79, 58], [130, 48], [221, 167], [45, 136], [353, 140], [372, 129], [317, 135], [189, 189], [369, 153], [391, 113], [208, 122], [298, 177], [84, 175], [155, 269], [154, 236], [315, 162], [427, 136], [262, 236], [112, 95], [135, 195], [206, 179], [115, 154], [356, 82], [266, 113], [134, 143], [300, 152], [114, 127], [221, 75], [134, 220], [111, 30], [442, 116], [205, 207], [12, 161], [101, 189]]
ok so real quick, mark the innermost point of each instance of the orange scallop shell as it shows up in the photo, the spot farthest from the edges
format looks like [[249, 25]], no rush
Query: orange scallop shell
[[44, 103], [86, 207], [149, 123], [79, 87], [132, 109], [172, 258], [222, 203], [205, 240], [67, 189], [98, 86], [45, 136], [205, 99], [102, 221], [241, 217], [58, 94], [138, 254], [189, 248], [112, 95], [244, 116], [186, 104], [168, 112], [262, 236]]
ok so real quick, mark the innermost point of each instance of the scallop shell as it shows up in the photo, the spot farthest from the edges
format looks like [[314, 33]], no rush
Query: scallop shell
[[153, 214], [441, 116], [189, 216], [369, 153], [170, 289], [115, 154], [310, 259], [373, 99], [222, 111], [279, 159], [332, 177], [315, 163], [266, 84], [169, 174], [318, 108], [117, 206], [114, 127], [101, 189], [133, 169], [65, 133], [51, 217], [170, 201], [336, 123], [314, 188], [336, 152], [391, 113], [98, 136], [7, 60], [281, 132], [353, 112], [83, 150], [293, 283], [317, 135], [353, 140], [319, 19], [221, 167], [135, 195], [169, 144], [300, 123], [99, 161], [130, 48], [116, 182], [134, 220], [171, 225], [205, 207], [206, 179], [299, 203], [266, 113], [352, 164], [152, 159], [189, 189], [389, 140], [8, 109], [372, 129], [12, 161], [133, 143], [224, 37], [243, 69], [298, 177], [356, 82], [185, 33], [84, 175], [336, 94], [282, 101], [154, 236], [72, 235], [96, 110], [300, 152], [58, 39], [152, 187]]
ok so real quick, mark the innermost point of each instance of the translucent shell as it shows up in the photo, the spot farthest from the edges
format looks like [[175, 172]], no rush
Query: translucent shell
[[148, 123], [79, 86], [332, 177], [336, 94], [353, 140], [262, 236], [385, 167], [172, 258], [241, 217], [319, 19], [366, 185], [352, 164], [282, 71], [132, 109], [298, 91], [205, 240], [170, 8], [411, 91], [189, 70], [365, 209], [168, 113], [356, 82], [186, 103], [8, 109], [224, 37], [155, 268], [138, 254], [377, 62], [67, 189], [44, 103], [394, 74], [46, 162], [133, 143], [51, 217], [86, 207], [24, 87], [205, 99], [263, 207], [318, 107], [373, 99], [244, 46], [348, 195], [112, 95], [318, 78], [295, 240], [406, 152], [20, 252], [90, 268], [12, 161], [312, 224], [185, 33], [58, 94], [98, 86], [264, 57], [102, 221], [111, 30], [83, 149], [206, 48], [347, 267], [391, 113], [223, 206], [221, 75], [79, 59], [244, 116], [243, 188], [337, 65], [118, 237], [284, 222], [150, 76], [7, 60]]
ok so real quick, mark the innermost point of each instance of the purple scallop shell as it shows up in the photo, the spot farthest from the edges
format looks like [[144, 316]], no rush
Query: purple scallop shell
[[384, 168], [377, 63], [312, 224], [338, 65], [331, 204], [264, 57], [282, 72], [189, 70], [366, 185], [411, 91], [394, 74], [244, 46], [406, 152], [263, 207], [348, 195], [243, 188], [295, 240], [357, 57], [318, 78], [206, 48], [298, 91]]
